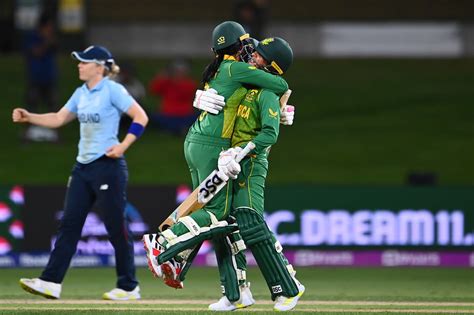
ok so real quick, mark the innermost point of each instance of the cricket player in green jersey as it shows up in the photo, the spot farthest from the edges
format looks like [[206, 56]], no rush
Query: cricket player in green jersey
[[209, 135], [258, 120]]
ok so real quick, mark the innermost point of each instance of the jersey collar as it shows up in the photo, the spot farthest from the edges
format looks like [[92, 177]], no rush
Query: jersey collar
[[98, 86]]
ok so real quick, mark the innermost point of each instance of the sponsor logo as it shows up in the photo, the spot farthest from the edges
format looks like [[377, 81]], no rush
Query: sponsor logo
[[395, 258], [7, 261], [243, 111], [407, 227], [277, 289], [86, 261], [27, 260], [210, 186], [94, 237], [272, 113], [267, 41], [323, 258]]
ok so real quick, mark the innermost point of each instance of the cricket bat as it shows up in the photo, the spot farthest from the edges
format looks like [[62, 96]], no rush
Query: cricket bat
[[284, 98], [203, 193]]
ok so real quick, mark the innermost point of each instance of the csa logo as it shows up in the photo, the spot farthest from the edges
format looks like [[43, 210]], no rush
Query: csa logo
[[221, 40], [277, 289], [251, 95]]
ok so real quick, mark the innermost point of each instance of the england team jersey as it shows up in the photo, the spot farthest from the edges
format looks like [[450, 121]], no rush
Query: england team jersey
[[98, 111]]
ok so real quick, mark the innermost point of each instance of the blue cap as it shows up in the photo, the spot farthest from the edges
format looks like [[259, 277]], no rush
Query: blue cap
[[96, 54]]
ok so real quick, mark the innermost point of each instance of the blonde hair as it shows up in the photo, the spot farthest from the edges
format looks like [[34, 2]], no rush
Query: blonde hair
[[113, 72]]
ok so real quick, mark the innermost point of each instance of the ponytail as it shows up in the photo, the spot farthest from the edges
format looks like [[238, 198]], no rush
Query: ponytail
[[211, 69], [113, 72]]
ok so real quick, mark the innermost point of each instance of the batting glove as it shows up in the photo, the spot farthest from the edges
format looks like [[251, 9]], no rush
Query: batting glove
[[209, 101], [287, 115], [227, 163]]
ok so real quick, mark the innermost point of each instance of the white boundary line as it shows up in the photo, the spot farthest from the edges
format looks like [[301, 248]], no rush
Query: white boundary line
[[199, 302], [194, 309]]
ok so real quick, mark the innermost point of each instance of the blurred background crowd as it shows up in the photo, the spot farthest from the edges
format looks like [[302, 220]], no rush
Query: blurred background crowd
[[377, 83]]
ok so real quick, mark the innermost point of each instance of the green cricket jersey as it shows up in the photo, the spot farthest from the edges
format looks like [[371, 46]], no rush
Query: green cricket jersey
[[258, 120], [228, 82]]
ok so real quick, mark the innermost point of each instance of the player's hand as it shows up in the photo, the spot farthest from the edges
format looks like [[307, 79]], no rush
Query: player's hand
[[227, 163], [209, 101], [20, 115], [116, 151], [287, 115]]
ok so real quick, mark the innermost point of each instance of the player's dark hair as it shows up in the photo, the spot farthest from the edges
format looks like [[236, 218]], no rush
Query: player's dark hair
[[211, 69]]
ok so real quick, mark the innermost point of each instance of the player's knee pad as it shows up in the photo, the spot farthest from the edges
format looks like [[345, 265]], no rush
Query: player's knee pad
[[195, 234], [267, 253]]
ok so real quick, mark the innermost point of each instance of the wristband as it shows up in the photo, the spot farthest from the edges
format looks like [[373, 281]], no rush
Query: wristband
[[136, 129]]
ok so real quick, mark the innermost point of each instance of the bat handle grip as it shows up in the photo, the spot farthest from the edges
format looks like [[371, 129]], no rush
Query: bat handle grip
[[249, 147]]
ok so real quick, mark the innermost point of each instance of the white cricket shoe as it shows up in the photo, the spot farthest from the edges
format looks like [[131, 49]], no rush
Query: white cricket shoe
[[49, 290], [122, 295], [223, 305], [246, 300], [152, 251], [284, 303]]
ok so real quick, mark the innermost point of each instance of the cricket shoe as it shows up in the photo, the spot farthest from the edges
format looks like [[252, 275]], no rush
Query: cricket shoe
[[152, 249], [122, 295], [284, 303], [49, 290], [246, 300], [171, 270]]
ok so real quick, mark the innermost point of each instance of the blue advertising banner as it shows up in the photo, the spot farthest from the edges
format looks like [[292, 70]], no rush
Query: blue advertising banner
[[317, 226]]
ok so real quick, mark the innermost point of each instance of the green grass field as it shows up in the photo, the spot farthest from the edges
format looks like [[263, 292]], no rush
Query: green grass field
[[358, 122], [329, 290]]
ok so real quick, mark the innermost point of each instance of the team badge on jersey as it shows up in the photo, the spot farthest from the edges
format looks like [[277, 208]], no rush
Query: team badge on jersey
[[272, 113], [250, 96]]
